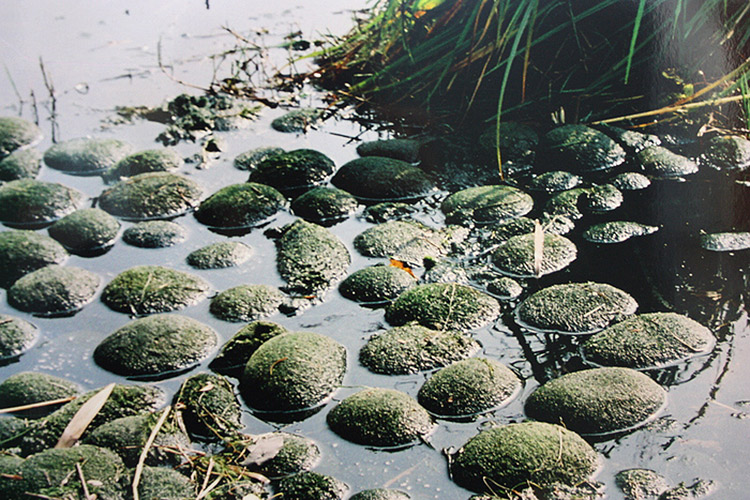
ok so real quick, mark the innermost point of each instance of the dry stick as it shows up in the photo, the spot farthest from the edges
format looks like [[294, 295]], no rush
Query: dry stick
[[86, 494], [673, 109], [209, 469], [40, 404], [144, 452], [53, 99]]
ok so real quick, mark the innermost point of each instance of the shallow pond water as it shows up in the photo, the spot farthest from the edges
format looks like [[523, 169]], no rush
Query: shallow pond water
[[98, 56]]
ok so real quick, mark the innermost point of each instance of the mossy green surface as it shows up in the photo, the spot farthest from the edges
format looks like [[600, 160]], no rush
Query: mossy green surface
[[165, 484], [662, 163], [726, 242], [649, 340], [555, 180], [517, 142], [566, 203], [380, 494], [310, 258], [54, 290], [293, 169], [12, 429], [388, 210], [86, 229], [250, 159], [504, 288], [376, 284], [412, 348], [443, 306], [602, 198], [616, 231], [469, 387], [153, 195], [597, 401], [399, 149], [378, 178], [729, 152], [156, 345], [16, 335], [486, 204], [209, 407], [514, 454], [324, 204], [380, 417], [280, 454], [311, 486], [640, 483], [403, 240], [10, 486], [86, 155], [582, 149], [293, 371], [20, 164], [219, 255], [246, 302], [630, 181], [152, 289], [516, 256], [150, 160], [29, 202], [236, 352], [154, 234], [26, 388], [298, 120], [240, 205], [23, 251], [575, 308], [16, 132]]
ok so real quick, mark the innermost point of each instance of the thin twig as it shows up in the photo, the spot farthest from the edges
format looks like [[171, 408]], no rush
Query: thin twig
[[86, 494], [673, 109], [144, 452], [40, 404]]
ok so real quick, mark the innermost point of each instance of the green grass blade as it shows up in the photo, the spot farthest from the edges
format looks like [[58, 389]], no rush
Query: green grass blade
[[636, 28]]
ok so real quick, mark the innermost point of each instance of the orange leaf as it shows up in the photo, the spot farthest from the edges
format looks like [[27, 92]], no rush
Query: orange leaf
[[403, 266]]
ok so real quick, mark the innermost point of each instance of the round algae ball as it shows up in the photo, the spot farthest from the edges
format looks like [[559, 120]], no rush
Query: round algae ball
[[23, 251], [54, 290], [376, 284]]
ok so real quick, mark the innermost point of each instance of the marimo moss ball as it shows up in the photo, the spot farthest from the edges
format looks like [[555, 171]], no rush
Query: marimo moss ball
[[650, 340], [597, 401], [616, 231], [310, 258], [582, 149], [220, 255], [380, 417], [504, 288], [487, 204], [555, 180], [154, 195], [127, 436], [534, 452], [154, 234], [380, 494], [575, 308], [630, 181], [86, 155], [298, 120], [469, 387], [54, 290], [311, 486], [443, 306], [250, 159], [517, 141], [208, 407], [25, 388], [399, 149], [293, 169], [726, 242], [152, 289], [156, 345], [376, 284], [412, 348], [641, 483], [29, 202], [660, 162], [403, 240], [566, 204], [85, 230], [10, 466], [280, 454], [516, 257], [166, 484], [150, 160], [240, 206], [20, 164], [16, 336], [236, 352], [16, 132], [729, 152], [324, 204], [293, 371], [378, 178], [246, 302], [22, 252]]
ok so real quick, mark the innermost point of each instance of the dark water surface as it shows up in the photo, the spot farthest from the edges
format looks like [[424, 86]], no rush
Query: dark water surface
[[105, 54]]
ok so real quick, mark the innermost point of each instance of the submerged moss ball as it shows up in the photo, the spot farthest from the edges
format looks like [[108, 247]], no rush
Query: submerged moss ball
[[293, 169], [640, 483], [604, 198], [575, 308], [310, 258], [516, 257], [380, 494], [151, 289], [597, 401], [650, 340], [726, 242], [209, 407], [663, 163], [20, 164], [469, 387], [566, 204], [616, 231], [25, 388], [729, 152], [250, 159], [156, 345], [412, 348], [298, 120], [16, 132], [85, 230], [487, 204], [54, 290], [517, 141], [399, 149], [380, 417], [407, 241], [504, 288], [514, 454], [16, 336], [630, 181], [311, 486], [220, 255], [555, 180], [443, 306], [324, 204], [293, 371], [240, 206], [150, 160], [154, 234], [582, 149], [29, 202], [22, 252], [246, 302], [154, 195], [376, 284], [382, 179], [236, 352], [164, 483], [86, 155], [290, 454]]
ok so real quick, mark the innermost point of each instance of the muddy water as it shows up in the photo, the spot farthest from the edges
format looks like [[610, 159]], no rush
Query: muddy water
[[101, 55]]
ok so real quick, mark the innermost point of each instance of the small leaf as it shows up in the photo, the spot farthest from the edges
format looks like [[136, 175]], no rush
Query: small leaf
[[206, 387], [265, 447], [403, 266], [83, 417]]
